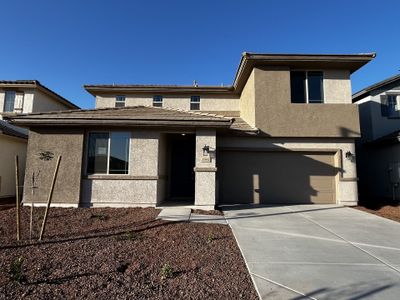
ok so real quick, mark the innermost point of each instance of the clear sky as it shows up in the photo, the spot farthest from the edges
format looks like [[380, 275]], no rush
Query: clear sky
[[66, 44]]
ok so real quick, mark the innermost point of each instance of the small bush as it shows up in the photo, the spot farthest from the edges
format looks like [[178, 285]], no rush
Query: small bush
[[166, 271], [210, 237], [101, 217], [16, 271], [130, 236]]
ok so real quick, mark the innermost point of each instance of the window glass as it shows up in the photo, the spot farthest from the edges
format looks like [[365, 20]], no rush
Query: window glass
[[393, 108], [9, 101], [195, 103], [119, 153], [157, 101], [297, 87], [97, 153], [315, 90], [120, 101]]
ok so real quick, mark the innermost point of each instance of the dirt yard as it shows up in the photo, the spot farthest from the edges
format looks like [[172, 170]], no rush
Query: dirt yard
[[384, 209], [120, 254]]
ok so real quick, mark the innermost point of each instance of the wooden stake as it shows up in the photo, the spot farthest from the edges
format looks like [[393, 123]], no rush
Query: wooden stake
[[31, 217], [49, 198], [17, 197]]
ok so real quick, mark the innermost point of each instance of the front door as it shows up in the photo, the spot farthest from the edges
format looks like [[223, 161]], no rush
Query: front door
[[182, 162]]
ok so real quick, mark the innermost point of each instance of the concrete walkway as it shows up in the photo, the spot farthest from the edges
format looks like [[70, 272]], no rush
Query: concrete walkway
[[182, 214], [318, 252]]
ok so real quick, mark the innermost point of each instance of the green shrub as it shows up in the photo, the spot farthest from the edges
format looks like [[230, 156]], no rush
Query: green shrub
[[210, 237], [130, 236], [16, 271], [166, 271], [101, 217]]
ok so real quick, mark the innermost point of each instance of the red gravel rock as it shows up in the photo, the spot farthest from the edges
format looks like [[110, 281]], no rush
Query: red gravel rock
[[118, 254]]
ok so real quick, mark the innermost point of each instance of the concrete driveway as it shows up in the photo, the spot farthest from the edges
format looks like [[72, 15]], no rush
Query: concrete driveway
[[318, 251]]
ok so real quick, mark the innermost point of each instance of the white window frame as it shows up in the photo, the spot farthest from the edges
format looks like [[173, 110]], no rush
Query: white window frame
[[109, 132], [160, 99], [396, 111], [195, 102], [5, 101], [118, 100], [306, 86]]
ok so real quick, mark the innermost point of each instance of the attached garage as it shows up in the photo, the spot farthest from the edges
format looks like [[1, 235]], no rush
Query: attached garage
[[276, 177]]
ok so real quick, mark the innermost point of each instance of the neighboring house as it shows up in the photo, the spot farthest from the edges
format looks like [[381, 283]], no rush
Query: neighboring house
[[21, 96], [378, 150], [282, 133]]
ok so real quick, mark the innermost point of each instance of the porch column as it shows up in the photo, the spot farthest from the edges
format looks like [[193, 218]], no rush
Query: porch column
[[205, 168]]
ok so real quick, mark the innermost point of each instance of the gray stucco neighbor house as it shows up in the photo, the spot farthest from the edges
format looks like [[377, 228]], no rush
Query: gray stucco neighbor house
[[378, 149], [283, 132]]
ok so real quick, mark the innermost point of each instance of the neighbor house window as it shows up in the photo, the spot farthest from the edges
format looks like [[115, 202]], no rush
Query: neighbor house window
[[306, 86], [157, 101], [119, 101], [108, 153], [393, 105], [194, 102], [9, 101]]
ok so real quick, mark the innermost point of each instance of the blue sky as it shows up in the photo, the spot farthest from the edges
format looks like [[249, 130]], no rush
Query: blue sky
[[66, 44]]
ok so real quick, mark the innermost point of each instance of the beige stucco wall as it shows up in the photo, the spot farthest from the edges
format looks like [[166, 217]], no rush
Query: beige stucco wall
[[43, 102], [205, 188], [346, 179], [139, 187], [9, 147], [247, 98], [67, 143], [207, 102], [337, 86], [276, 116]]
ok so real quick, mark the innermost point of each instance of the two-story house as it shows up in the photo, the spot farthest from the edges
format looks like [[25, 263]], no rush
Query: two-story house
[[378, 150], [283, 132], [21, 96]]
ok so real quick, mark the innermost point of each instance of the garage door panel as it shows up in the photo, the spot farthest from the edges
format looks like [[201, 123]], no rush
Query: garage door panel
[[276, 177]]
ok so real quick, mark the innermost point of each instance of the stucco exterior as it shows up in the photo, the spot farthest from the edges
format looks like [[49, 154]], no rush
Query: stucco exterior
[[67, 143], [378, 149], [346, 175], [9, 147], [207, 102], [139, 187]]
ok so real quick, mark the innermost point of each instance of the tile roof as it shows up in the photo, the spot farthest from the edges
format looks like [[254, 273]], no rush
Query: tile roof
[[37, 84], [8, 129], [133, 116], [381, 84]]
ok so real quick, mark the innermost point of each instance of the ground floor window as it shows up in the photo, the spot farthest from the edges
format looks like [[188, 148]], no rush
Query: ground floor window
[[108, 153]]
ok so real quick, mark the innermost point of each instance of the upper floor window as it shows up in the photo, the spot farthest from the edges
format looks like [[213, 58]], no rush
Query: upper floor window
[[195, 103], [119, 101], [157, 101], [307, 86], [9, 101], [390, 105], [108, 153]]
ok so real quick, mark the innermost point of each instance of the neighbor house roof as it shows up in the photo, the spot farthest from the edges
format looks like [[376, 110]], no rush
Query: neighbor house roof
[[35, 84], [8, 129], [380, 85], [138, 116], [248, 61]]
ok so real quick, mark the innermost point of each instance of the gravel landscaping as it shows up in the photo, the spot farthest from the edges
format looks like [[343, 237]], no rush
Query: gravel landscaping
[[120, 254], [386, 209]]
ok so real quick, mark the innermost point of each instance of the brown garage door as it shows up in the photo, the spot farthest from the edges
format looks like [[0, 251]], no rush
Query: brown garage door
[[276, 177]]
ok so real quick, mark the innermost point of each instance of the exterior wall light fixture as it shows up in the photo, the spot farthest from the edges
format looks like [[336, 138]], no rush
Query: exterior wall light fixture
[[350, 156], [206, 150]]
